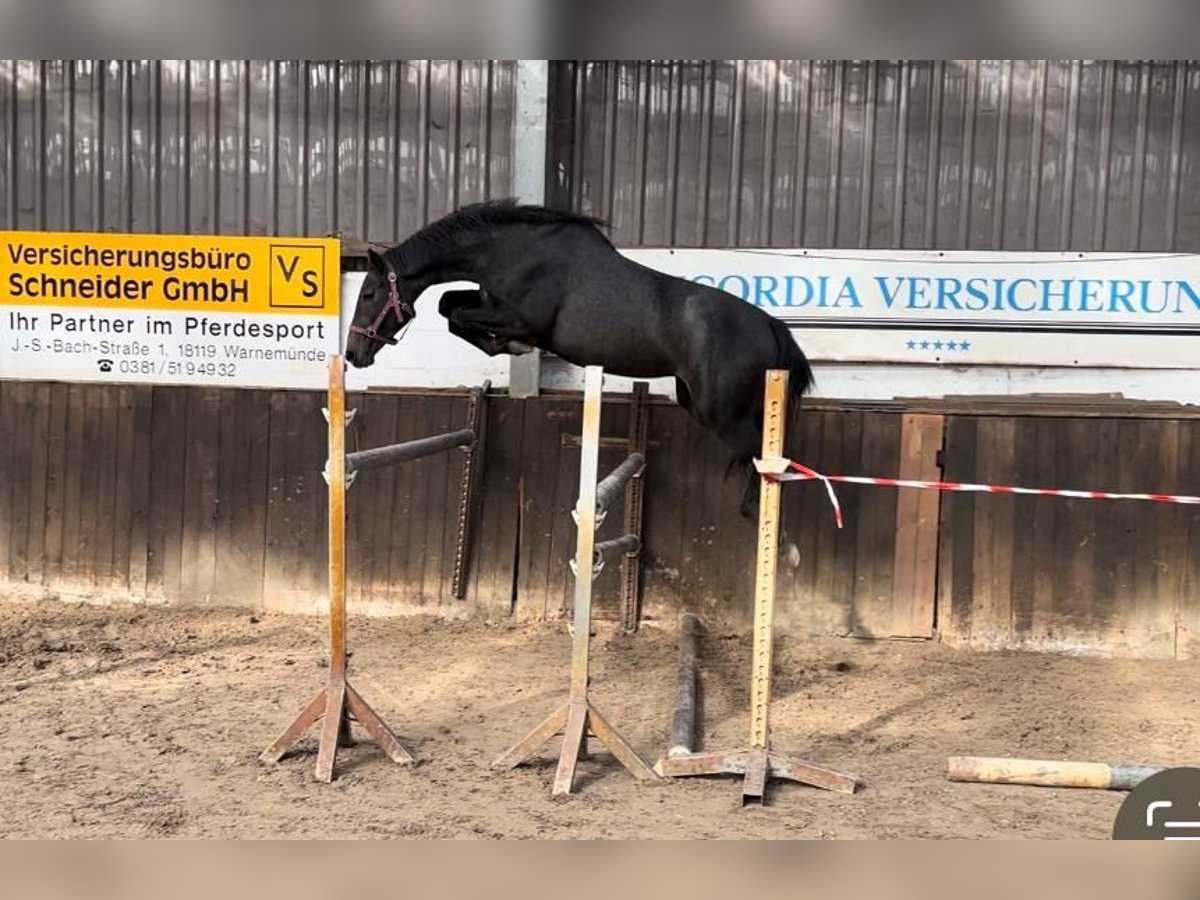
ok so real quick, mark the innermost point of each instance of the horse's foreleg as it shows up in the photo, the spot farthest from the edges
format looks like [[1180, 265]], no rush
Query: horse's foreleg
[[488, 343], [451, 301], [492, 320], [454, 304]]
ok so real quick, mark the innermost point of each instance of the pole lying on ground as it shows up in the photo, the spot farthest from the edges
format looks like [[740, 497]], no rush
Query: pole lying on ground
[[684, 722], [1048, 772]]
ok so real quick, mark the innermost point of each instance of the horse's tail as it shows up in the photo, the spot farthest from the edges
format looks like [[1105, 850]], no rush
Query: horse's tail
[[792, 358]]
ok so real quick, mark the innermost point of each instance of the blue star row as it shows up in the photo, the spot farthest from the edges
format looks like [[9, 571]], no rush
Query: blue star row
[[938, 345]]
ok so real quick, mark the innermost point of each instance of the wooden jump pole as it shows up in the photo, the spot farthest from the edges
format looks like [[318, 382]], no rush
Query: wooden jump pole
[[1048, 772], [759, 761], [608, 489], [378, 457], [579, 718], [338, 703]]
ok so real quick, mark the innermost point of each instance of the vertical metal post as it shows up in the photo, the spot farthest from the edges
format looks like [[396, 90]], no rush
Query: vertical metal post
[[631, 566], [774, 427], [589, 462], [529, 185], [468, 487]]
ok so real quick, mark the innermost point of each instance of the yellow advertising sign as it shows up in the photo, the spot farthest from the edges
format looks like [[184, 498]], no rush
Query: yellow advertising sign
[[168, 309], [180, 273]]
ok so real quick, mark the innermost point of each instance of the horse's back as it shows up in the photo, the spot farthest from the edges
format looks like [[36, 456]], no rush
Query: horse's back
[[599, 307]]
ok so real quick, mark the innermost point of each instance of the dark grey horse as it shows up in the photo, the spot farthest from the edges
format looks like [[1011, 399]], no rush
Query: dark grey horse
[[551, 280]]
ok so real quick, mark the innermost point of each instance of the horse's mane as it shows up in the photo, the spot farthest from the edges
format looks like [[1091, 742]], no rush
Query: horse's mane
[[505, 211]]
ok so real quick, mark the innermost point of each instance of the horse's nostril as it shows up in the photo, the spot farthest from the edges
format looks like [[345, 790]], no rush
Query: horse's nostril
[[350, 357]]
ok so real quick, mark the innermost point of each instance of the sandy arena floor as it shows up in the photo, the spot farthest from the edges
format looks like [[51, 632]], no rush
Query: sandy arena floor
[[147, 722]]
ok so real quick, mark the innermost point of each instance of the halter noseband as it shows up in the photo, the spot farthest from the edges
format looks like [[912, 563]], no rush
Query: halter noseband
[[404, 314]]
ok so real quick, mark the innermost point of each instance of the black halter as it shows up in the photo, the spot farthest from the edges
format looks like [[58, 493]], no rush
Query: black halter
[[404, 314]]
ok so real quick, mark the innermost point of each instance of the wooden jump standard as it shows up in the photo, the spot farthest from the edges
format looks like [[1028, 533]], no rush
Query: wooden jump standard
[[758, 761], [579, 715], [631, 572], [339, 703]]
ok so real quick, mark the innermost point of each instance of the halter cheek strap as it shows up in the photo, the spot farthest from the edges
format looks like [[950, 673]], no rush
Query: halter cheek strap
[[404, 314]]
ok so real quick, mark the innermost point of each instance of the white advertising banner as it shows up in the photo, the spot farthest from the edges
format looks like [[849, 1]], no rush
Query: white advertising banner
[[268, 312], [168, 309], [965, 308]]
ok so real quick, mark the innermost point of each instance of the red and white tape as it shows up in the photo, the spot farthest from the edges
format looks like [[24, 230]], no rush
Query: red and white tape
[[781, 469]]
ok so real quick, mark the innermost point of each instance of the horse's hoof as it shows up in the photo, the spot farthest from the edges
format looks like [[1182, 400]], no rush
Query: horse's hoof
[[792, 555]]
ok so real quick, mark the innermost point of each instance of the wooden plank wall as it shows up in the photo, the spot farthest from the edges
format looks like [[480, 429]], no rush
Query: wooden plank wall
[[844, 583], [215, 496], [401, 527], [1049, 573], [700, 551]]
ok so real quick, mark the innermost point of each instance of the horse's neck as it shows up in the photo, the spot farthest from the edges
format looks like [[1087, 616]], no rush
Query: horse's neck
[[432, 265], [430, 277], [469, 255]]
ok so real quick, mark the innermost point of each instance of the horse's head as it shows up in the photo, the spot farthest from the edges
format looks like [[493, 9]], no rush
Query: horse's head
[[380, 314]]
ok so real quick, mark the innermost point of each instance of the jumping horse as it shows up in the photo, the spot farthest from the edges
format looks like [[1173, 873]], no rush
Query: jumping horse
[[552, 280]]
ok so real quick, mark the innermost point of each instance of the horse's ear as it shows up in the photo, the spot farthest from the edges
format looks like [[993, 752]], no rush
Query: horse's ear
[[374, 261]]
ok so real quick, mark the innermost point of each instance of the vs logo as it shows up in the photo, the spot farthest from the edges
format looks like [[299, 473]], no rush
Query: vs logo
[[296, 273], [308, 277]]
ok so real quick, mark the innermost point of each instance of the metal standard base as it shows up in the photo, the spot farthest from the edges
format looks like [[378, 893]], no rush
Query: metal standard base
[[757, 765], [337, 705], [575, 720]]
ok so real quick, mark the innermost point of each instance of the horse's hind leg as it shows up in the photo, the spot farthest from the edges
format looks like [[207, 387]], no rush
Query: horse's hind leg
[[744, 435], [748, 434], [683, 396], [751, 494]]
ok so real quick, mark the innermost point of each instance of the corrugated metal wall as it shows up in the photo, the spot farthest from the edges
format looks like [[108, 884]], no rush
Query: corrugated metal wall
[[975, 154], [1012, 154], [372, 149]]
